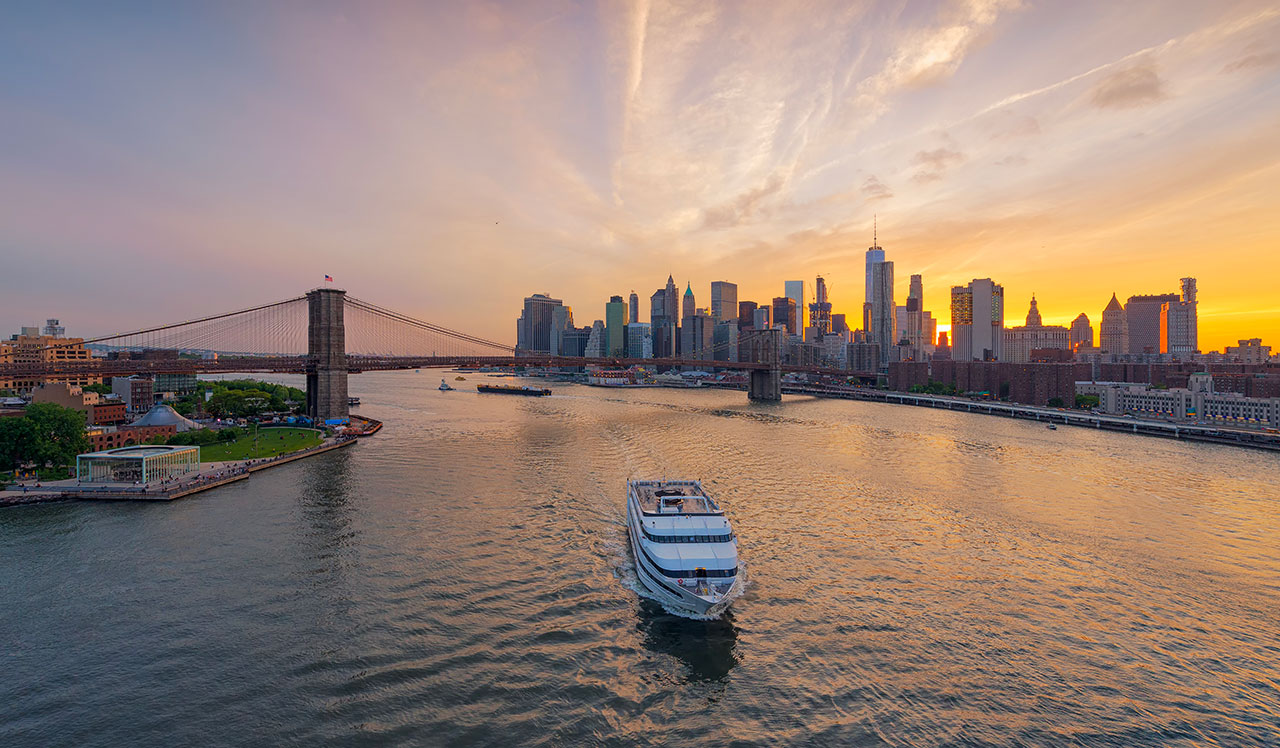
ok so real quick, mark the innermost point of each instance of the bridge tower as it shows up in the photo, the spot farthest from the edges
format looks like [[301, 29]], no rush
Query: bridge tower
[[765, 347], [327, 348]]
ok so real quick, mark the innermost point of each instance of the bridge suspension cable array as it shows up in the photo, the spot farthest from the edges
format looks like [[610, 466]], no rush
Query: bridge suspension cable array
[[376, 331]]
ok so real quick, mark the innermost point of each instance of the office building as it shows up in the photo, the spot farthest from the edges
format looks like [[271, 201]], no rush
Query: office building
[[688, 306], [597, 341], [673, 303], [874, 256], [1019, 342], [536, 322], [697, 333], [639, 340], [98, 410], [1250, 351], [1081, 333], [633, 312], [1179, 323], [747, 314], [784, 313], [561, 323], [724, 300], [794, 290], [574, 342], [1142, 318], [615, 323], [664, 325], [761, 319], [136, 392], [883, 313], [1113, 335], [977, 321], [724, 340]]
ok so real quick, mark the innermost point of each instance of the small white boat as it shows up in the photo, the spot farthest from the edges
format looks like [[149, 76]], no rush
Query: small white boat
[[444, 386], [686, 553]]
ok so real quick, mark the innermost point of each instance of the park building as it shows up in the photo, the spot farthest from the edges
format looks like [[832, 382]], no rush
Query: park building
[[137, 464]]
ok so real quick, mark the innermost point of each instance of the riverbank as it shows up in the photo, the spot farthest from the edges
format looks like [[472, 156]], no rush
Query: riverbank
[[211, 475], [1163, 429]]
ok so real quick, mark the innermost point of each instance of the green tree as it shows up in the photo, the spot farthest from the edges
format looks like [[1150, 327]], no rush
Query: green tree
[[59, 433], [1055, 402], [1086, 401], [17, 442], [101, 389]]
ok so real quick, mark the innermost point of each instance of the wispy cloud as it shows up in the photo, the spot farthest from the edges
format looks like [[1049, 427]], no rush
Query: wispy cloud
[[1134, 86]]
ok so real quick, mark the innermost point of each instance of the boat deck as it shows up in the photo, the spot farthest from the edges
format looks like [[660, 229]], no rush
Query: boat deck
[[673, 498]]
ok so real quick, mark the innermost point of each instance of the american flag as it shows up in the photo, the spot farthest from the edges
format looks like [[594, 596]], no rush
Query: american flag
[[329, 278]]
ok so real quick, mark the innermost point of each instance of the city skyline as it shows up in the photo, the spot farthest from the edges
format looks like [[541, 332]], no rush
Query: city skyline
[[215, 155]]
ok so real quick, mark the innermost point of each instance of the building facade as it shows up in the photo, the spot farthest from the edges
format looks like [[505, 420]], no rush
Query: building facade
[[724, 300], [977, 321], [536, 323], [794, 290], [1142, 320], [784, 313], [1113, 337], [1179, 322], [1081, 333], [883, 310], [1019, 342], [615, 322]]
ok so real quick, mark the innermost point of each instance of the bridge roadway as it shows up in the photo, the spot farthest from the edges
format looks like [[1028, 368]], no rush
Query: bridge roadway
[[356, 364]]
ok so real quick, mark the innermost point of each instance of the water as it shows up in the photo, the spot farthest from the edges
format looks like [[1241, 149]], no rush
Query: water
[[916, 577]]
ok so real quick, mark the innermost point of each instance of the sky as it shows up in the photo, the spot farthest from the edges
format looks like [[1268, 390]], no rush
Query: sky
[[163, 161]]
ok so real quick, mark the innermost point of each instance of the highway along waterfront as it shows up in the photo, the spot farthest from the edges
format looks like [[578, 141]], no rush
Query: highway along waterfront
[[915, 576]]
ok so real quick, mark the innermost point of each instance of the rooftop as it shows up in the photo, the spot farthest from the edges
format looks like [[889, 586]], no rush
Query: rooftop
[[146, 450]]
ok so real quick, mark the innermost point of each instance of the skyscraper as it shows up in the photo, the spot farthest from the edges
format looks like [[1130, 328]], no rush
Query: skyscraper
[[1113, 336], [689, 306], [1178, 322], [746, 314], [634, 311], [597, 341], [915, 325], [1081, 333], [639, 340], [874, 255], [561, 322], [536, 322], [724, 300], [820, 309], [784, 313], [1142, 318], [977, 320], [673, 302], [794, 290], [883, 318], [664, 326], [615, 322]]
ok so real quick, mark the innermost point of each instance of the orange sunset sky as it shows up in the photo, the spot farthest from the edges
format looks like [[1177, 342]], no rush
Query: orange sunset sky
[[447, 159]]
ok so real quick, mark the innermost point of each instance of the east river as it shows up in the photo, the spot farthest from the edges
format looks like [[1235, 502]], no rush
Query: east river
[[916, 577]]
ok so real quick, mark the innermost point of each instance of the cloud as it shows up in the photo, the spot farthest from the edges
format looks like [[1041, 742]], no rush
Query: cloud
[[934, 163], [1012, 126], [1016, 159], [742, 207], [1254, 60], [874, 189], [1134, 86]]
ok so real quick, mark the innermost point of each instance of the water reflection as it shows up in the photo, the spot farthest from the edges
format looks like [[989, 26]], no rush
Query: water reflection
[[708, 649]]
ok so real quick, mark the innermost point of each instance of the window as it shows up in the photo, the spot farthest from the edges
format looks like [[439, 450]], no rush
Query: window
[[688, 538]]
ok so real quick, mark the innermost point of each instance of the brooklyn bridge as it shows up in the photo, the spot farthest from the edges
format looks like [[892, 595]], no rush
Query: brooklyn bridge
[[327, 335]]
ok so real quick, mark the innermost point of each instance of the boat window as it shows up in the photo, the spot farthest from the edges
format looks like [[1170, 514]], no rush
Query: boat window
[[688, 538]]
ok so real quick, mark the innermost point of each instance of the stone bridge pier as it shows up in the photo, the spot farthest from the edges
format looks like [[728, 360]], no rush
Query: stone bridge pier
[[765, 347], [327, 347]]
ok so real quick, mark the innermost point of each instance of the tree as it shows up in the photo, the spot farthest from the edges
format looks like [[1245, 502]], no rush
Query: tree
[[1055, 402], [17, 442], [1086, 401], [59, 433]]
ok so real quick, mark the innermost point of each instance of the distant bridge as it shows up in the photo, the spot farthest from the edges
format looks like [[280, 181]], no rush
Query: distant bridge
[[327, 335]]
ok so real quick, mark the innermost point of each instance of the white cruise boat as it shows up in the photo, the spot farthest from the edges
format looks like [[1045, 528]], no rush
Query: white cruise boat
[[686, 553]]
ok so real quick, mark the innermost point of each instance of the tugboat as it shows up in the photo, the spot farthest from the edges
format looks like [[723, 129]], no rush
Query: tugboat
[[510, 389], [686, 552], [444, 386]]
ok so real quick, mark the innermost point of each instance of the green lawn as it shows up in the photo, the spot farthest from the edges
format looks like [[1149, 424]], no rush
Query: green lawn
[[271, 442]]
